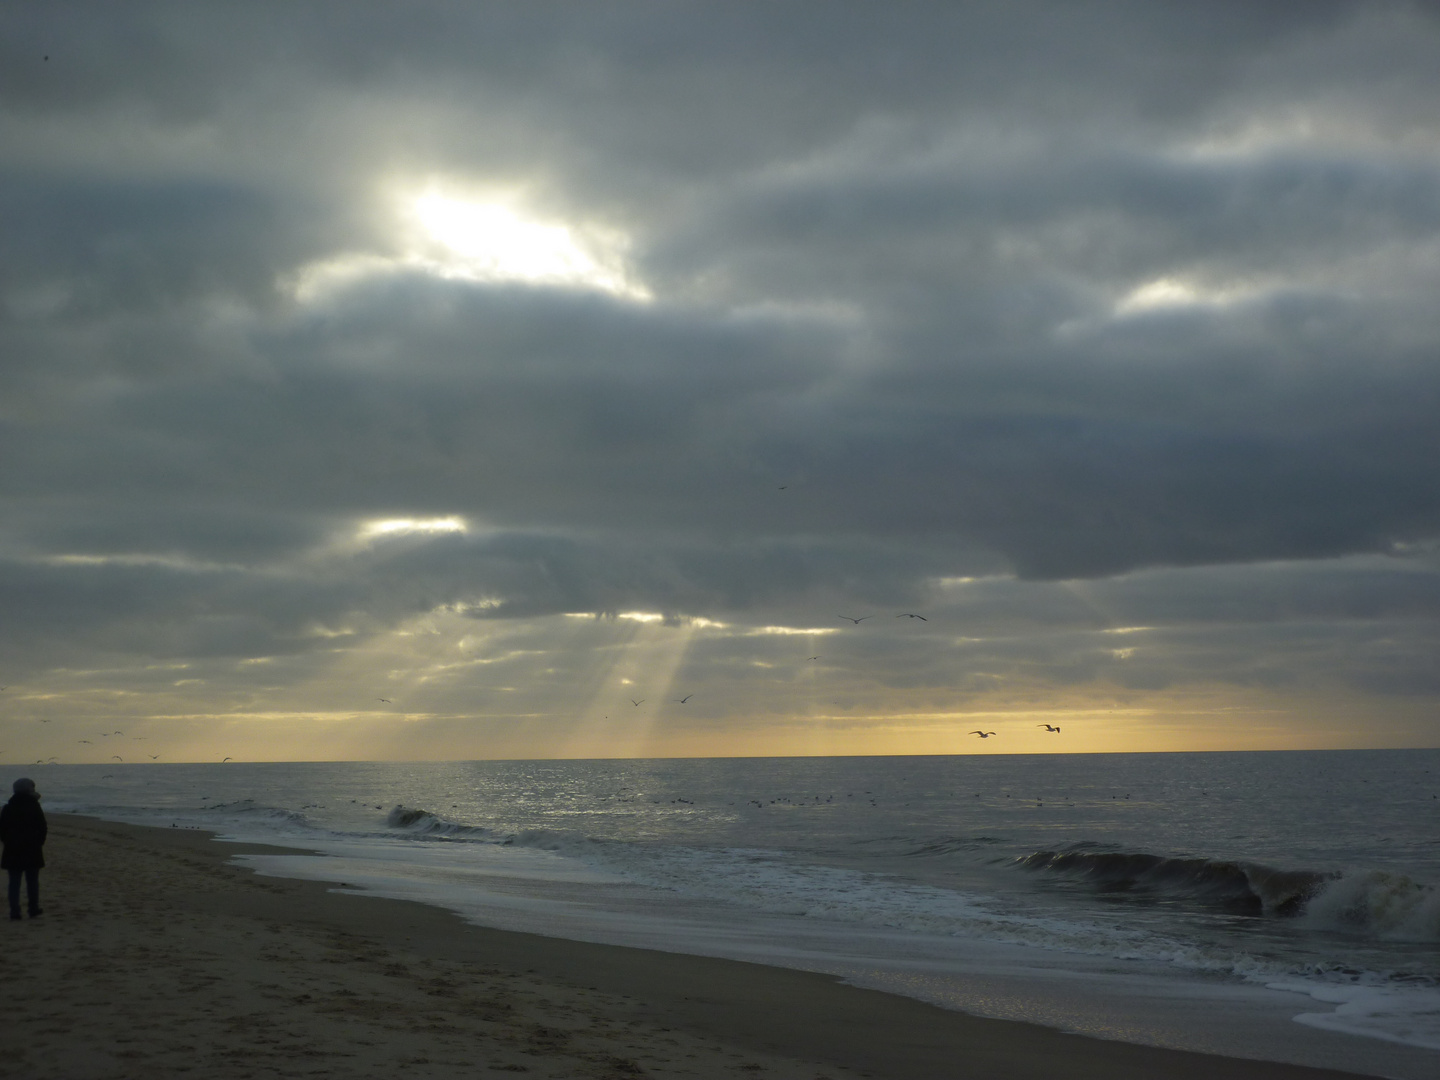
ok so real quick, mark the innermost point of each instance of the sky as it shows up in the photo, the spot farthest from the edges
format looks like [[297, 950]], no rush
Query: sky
[[487, 380]]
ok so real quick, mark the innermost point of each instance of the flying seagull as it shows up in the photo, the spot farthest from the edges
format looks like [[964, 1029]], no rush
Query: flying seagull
[[223, 760], [812, 658], [858, 621], [909, 615], [1047, 727], [982, 734], [154, 756], [116, 757], [636, 703], [684, 699], [386, 700]]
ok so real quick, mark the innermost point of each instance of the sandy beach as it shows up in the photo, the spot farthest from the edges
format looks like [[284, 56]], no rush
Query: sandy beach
[[156, 957]]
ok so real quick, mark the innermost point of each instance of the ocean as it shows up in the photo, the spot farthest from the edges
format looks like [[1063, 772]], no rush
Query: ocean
[[1281, 905]]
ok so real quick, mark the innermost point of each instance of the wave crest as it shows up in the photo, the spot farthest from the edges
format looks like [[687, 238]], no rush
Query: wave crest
[[950, 845], [427, 823], [250, 808], [1239, 887]]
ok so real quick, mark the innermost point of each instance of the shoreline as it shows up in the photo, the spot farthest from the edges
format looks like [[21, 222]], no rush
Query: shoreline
[[178, 959]]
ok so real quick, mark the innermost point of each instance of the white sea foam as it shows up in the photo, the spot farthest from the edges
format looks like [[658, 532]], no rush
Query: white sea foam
[[1402, 1014], [529, 890], [1387, 905]]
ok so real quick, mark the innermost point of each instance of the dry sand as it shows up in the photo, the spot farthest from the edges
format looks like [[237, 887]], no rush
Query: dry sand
[[157, 958]]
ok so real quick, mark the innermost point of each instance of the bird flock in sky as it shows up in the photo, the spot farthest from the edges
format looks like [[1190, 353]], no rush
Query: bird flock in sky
[[1052, 728]]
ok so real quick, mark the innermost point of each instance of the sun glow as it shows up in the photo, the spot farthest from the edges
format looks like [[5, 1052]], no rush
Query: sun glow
[[491, 241], [480, 240], [396, 526]]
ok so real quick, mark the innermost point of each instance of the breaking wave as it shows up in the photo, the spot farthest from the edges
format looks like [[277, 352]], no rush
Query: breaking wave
[[1371, 903], [1378, 904], [1242, 888], [250, 809], [427, 823]]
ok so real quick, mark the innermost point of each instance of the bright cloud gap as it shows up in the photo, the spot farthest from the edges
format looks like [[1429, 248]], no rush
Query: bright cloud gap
[[1170, 292], [401, 526], [486, 242]]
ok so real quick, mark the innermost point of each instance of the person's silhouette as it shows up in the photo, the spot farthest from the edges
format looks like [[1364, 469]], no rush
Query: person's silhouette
[[22, 832]]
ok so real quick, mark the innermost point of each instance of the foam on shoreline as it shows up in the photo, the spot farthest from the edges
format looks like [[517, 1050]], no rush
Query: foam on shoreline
[[158, 954]]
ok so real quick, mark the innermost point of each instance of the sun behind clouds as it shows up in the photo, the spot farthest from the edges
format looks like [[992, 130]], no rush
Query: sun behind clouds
[[487, 241]]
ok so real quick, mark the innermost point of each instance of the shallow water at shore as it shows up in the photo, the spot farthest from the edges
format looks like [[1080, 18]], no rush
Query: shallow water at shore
[[1308, 879]]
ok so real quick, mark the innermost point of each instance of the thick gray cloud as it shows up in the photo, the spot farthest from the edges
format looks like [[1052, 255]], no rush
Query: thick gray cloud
[[1129, 300]]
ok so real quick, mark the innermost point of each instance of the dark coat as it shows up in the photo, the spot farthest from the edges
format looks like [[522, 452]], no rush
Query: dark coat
[[22, 831]]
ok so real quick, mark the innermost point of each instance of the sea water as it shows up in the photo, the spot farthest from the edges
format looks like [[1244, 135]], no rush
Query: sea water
[[1278, 905]]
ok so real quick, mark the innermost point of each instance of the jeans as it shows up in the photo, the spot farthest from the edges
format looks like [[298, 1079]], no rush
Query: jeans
[[32, 889]]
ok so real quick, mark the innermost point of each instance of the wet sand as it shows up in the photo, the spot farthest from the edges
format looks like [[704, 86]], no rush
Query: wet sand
[[156, 957]]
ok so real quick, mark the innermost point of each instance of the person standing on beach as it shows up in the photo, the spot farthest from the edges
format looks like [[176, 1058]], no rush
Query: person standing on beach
[[22, 832]]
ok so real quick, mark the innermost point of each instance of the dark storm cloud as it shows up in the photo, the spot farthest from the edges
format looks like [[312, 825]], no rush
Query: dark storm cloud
[[1357, 622], [137, 245], [525, 409], [899, 327]]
